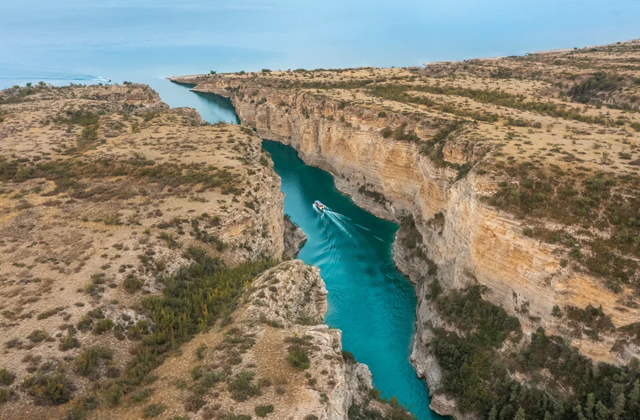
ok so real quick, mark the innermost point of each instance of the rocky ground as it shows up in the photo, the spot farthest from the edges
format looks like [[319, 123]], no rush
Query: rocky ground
[[516, 184], [129, 233]]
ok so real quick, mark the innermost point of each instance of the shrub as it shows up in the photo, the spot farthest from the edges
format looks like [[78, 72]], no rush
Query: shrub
[[85, 324], [80, 406], [37, 336], [386, 132], [298, 358], [5, 395], [87, 361], [132, 284], [232, 416], [348, 357], [48, 389], [141, 395], [242, 388], [200, 351], [111, 219], [194, 403], [103, 326], [263, 410], [6, 377], [113, 394], [153, 410], [68, 342]]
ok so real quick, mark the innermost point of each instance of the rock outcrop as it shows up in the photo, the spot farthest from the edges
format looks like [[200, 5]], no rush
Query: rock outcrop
[[294, 239]]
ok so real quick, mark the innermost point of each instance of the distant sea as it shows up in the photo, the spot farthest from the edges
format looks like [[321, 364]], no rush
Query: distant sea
[[83, 41]]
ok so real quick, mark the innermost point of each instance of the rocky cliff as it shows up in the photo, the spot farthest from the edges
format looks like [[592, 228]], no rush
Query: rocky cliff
[[399, 155], [129, 235]]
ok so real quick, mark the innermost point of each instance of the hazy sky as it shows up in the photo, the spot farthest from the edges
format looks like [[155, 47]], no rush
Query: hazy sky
[[161, 37]]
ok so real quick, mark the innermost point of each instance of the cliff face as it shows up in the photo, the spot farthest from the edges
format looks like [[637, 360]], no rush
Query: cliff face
[[474, 244], [470, 242], [120, 197], [116, 188]]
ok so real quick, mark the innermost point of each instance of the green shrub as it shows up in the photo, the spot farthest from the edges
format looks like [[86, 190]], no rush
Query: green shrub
[[193, 299], [80, 407], [68, 342], [5, 395], [153, 410], [232, 416], [85, 324], [348, 357], [132, 284], [103, 326], [113, 394], [242, 387], [48, 389], [194, 402], [6, 377], [140, 395], [87, 361], [200, 351], [264, 410], [37, 336], [298, 358]]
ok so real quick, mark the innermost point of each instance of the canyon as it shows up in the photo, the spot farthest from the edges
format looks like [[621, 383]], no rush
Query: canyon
[[147, 272], [487, 165]]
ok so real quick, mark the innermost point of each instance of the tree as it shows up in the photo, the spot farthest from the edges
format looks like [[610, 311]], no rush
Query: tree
[[602, 412], [591, 403], [520, 414], [578, 410], [493, 414], [212, 72], [634, 397]]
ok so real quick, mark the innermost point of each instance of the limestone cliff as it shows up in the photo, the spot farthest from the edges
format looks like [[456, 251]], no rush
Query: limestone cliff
[[469, 241], [130, 236]]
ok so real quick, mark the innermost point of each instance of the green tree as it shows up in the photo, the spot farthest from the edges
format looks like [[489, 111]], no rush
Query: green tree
[[633, 401], [618, 407], [493, 414], [602, 412], [578, 410], [591, 403], [520, 414]]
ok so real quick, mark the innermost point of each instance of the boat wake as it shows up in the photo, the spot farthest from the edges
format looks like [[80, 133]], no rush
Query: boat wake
[[340, 221]]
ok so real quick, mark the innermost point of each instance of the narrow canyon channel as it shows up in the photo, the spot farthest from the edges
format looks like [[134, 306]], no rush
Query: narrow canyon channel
[[369, 299]]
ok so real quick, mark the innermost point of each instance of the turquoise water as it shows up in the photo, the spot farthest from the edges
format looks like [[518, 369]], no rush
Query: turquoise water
[[369, 300]]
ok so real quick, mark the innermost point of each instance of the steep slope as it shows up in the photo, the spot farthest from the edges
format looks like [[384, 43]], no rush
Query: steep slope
[[516, 184], [130, 235]]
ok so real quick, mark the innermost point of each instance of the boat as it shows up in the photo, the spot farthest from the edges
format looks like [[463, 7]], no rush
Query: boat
[[317, 204]]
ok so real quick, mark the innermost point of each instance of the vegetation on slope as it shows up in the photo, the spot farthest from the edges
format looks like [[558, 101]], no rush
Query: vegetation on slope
[[489, 368]]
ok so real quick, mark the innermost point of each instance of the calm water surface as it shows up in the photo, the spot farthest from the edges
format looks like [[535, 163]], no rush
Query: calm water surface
[[83, 41], [369, 300]]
